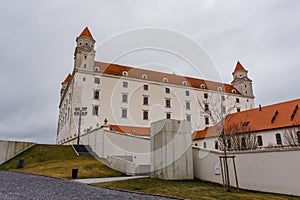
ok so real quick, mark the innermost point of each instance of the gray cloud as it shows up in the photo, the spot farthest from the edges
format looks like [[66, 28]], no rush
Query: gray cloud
[[38, 41]]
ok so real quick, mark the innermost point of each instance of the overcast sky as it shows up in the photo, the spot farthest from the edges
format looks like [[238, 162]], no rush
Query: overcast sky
[[38, 41]]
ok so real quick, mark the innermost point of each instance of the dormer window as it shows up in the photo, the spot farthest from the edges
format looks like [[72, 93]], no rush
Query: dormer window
[[125, 73], [219, 89], [202, 86], [144, 76], [184, 83], [233, 91], [96, 69], [165, 80]]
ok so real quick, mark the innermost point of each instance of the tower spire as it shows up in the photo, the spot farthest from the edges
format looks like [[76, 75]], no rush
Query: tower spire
[[86, 33], [239, 67]]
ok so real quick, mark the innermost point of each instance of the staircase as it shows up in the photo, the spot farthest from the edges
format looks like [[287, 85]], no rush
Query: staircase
[[81, 150]]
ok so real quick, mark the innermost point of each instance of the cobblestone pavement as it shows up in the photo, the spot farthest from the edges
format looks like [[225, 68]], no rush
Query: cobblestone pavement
[[27, 186]]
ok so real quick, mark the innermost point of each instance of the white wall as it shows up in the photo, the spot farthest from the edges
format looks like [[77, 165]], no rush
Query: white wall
[[269, 171], [107, 143], [10, 149]]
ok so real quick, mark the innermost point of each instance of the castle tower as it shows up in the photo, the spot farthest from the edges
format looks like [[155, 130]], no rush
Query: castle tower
[[84, 55], [241, 81]]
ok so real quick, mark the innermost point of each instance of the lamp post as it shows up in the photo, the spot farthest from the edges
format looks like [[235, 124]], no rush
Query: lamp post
[[80, 112]]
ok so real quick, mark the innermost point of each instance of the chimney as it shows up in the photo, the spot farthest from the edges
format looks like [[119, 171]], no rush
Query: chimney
[[259, 107]]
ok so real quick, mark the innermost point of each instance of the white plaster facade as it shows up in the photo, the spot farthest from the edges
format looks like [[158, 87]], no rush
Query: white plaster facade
[[80, 92]]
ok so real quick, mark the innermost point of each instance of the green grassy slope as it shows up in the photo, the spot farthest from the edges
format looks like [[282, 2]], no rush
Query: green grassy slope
[[58, 161]]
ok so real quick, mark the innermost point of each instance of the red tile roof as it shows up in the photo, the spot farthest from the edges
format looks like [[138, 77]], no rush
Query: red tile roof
[[117, 70], [239, 67], [257, 120], [133, 130], [67, 79], [86, 32]]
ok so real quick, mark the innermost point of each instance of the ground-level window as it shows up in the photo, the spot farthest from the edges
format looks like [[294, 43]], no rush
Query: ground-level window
[[206, 120], [243, 143], [259, 140], [217, 144], [124, 113], [168, 115], [278, 139]]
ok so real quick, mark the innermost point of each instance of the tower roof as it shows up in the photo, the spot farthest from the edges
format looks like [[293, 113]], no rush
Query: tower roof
[[86, 32], [239, 67]]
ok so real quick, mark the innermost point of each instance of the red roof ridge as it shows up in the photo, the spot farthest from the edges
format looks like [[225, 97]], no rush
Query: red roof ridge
[[239, 67], [86, 32], [117, 69]]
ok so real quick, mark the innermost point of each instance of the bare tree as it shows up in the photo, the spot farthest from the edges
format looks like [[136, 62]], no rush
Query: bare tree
[[292, 136]]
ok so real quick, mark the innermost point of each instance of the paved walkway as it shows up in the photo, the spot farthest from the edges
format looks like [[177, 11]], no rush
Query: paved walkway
[[101, 180], [27, 186]]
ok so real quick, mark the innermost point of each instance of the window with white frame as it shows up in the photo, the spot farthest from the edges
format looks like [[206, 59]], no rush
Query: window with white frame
[[145, 115], [124, 98], [125, 84], [96, 94], [124, 112], [95, 110], [187, 93], [97, 80], [187, 105]]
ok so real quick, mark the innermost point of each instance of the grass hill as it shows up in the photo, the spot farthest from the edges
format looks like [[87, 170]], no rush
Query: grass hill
[[58, 161]]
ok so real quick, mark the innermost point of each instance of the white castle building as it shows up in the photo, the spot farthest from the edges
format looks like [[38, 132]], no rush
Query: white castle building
[[132, 97]]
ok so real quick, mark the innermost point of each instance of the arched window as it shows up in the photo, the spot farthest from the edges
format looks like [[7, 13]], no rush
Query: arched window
[[278, 139], [233, 91], [96, 69], [184, 83], [144, 76], [165, 80], [259, 140], [219, 89], [202, 86]]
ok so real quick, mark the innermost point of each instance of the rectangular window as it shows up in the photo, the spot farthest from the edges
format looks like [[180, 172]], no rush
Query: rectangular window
[[237, 100], [168, 103], [167, 90], [206, 120], [188, 118], [206, 107], [97, 80], [205, 96], [124, 113], [124, 98], [145, 115], [187, 93], [243, 143], [259, 140], [188, 105], [146, 87], [278, 139], [223, 98], [95, 110], [146, 101], [168, 115], [298, 137], [217, 144], [125, 84], [96, 94], [238, 110]]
